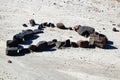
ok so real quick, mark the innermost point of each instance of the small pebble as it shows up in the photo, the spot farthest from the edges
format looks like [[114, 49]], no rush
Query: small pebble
[[9, 61], [103, 28], [25, 25]]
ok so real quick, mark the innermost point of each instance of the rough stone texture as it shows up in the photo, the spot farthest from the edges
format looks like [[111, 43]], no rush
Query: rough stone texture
[[83, 44], [32, 22], [60, 25]]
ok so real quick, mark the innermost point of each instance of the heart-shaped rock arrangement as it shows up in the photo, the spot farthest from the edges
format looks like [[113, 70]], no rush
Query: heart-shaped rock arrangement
[[13, 48]]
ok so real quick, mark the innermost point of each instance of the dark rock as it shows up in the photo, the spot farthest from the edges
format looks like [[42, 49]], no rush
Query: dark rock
[[13, 51], [27, 33], [115, 30], [83, 44], [42, 45], [19, 37], [32, 22], [52, 25], [114, 24], [12, 43], [37, 31], [74, 44], [67, 43], [51, 44], [59, 44], [60, 25], [24, 50], [25, 25], [49, 24], [44, 24], [70, 37], [63, 44], [54, 40], [70, 28], [54, 3], [32, 48], [84, 30], [41, 27], [9, 61], [103, 28]]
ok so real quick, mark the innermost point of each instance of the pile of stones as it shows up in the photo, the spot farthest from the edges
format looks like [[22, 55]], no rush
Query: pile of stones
[[13, 49]]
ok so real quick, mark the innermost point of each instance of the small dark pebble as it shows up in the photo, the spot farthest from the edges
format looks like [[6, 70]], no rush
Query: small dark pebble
[[103, 28], [9, 61], [70, 28], [52, 25], [70, 37], [114, 24], [25, 25], [54, 3], [115, 30]]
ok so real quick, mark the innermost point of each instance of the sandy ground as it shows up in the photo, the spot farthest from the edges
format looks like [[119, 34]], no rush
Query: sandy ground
[[67, 64]]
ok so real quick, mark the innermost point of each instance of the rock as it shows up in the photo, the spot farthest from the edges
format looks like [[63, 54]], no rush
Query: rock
[[49, 24], [59, 44], [32, 22], [98, 40], [115, 30], [51, 44], [114, 24], [12, 43], [42, 45], [103, 28], [25, 25], [19, 37], [27, 33], [32, 47], [76, 27], [9, 61], [83, 44], [74, 44], [13, 51], [54, 40], [85, 30], [41, 26], [67, 43], [44, 24], [63, 44], [24, 50], [70, 28], [52, 25], [60, 25], [37, 31]]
